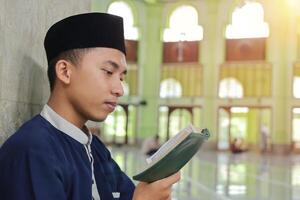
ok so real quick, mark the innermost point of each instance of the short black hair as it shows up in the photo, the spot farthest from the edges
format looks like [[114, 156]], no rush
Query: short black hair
[[74, 56]]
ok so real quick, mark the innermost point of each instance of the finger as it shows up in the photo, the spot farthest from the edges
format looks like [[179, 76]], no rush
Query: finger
[[172, 179], [166, 197], [170, 198]]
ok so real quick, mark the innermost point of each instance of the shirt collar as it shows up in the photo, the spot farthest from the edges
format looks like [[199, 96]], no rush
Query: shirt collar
[[65, 126]]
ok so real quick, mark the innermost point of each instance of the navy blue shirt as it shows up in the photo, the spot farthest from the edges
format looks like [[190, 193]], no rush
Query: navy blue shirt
[[41, 162]]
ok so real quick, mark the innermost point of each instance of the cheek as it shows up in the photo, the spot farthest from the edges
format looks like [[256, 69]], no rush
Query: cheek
[[96, 92], [91, 87], [83, 92], [92, 84]]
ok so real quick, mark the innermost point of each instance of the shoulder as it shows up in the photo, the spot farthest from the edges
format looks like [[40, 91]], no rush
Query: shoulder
[[34, 134]]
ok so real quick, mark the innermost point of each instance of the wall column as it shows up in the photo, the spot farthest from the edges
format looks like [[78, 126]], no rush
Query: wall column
[[281, 88], [212, 54], [149, 62]]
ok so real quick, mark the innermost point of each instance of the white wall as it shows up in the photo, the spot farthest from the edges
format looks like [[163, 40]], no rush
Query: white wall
[[23, 79]]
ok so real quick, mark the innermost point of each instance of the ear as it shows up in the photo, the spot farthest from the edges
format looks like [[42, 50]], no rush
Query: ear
[[63, 71]]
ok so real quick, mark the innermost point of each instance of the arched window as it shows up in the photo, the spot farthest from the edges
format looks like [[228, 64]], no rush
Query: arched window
[[248, 22], [296, 87], [183, 25], [170, 88], [230, 88], [122, 9]]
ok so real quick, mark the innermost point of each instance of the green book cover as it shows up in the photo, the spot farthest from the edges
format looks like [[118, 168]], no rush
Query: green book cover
[[174, 154]]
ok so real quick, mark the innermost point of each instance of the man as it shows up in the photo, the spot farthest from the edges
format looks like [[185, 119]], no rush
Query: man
[[264, 135], [54, 156]]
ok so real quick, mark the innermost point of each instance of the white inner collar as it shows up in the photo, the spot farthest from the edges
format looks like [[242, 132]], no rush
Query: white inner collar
[[65, 126]]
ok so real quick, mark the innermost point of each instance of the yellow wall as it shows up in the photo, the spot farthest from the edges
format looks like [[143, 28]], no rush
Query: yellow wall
[[189, 76], [256, 78]]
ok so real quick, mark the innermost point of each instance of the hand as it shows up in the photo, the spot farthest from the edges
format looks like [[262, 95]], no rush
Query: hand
[[158, 190]]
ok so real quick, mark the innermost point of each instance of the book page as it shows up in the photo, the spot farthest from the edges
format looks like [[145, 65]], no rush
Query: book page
[[170, 144]]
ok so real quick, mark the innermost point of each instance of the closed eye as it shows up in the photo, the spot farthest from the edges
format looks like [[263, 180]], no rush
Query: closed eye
[[107, 71]]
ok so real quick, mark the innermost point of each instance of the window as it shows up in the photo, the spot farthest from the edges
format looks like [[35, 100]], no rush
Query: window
[[230, 88], [179, 119], [115, 126], [122, 9], [183, 25], [170, 88], [248, 22], [238, 123]]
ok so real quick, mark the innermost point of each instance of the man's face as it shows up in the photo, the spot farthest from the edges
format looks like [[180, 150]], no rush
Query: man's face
[[96, 83]]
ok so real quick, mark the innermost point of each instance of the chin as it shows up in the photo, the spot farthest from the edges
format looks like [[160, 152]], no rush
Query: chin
[[97, 115], [99, 118]]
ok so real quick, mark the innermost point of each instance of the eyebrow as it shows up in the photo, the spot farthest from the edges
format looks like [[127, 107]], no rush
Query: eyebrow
[[115, 65]]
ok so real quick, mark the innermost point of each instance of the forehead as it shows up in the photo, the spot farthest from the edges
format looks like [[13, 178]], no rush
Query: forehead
[[103, 55]]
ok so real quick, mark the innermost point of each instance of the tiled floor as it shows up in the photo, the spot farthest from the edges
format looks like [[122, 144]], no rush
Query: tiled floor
[[223, 176]]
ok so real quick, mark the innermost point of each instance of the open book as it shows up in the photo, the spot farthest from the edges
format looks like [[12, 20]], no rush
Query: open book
[[174, 154]]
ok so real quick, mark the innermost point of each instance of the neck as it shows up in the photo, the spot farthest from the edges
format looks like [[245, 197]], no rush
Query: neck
[[66, 110]]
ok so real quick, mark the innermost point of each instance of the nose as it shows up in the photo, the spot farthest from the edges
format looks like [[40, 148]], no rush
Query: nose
[[118, 89]]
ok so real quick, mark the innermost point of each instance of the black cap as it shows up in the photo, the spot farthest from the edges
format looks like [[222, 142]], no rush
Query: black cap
[[85, 31]]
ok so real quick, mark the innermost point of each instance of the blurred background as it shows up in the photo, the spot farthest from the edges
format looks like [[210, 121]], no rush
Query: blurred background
[[232, 66]]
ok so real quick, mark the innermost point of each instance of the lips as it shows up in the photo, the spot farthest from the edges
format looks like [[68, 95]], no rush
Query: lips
[[111, 105]]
